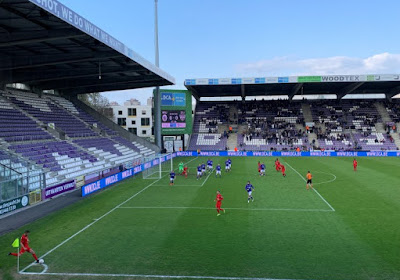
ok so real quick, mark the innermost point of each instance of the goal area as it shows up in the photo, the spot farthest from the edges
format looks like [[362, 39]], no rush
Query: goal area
[[157, 166]]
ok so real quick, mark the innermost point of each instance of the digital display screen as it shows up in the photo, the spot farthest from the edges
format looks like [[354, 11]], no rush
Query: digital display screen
[[173, 119]]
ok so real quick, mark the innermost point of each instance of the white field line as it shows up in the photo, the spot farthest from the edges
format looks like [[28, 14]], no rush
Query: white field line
[[211, 208], [45, 268], [177, 185], [327, 203], [96, 220], [206, 179], [326, 182], [150, 276]]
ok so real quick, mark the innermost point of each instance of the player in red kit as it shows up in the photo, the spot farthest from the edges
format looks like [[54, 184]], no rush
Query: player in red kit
[[259, 167], [283, 169], [218, 201], [355, 163], [277, 165], [185, 171], [25, 247]]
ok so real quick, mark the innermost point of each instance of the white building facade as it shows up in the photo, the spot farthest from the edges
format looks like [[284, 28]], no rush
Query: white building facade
[[135, 117]]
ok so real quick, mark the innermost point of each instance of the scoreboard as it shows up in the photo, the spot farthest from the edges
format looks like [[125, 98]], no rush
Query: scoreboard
[[176, 112], [173, 119]]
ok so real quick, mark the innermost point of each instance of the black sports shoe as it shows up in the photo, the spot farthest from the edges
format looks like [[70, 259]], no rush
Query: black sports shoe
[[37, 261], [9, 254]]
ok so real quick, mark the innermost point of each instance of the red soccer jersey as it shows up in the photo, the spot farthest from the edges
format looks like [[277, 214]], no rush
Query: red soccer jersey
[[259, 164], [283, 168], [185, 169], [25, 240], [219, 198], [355, 163]]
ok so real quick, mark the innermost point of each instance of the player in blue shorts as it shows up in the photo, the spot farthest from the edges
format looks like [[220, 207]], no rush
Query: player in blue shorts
[[262, 169], [171, 178], [218, 171], [199, 172], [209, 165], [203, 169], [230, 164], [226, 166], [249, 188]]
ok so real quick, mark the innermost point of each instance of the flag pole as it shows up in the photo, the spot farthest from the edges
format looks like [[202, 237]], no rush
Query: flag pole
[[18, 258]]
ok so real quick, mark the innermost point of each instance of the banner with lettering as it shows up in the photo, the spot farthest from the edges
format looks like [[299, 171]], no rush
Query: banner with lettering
[[110, 180], [58, 189]]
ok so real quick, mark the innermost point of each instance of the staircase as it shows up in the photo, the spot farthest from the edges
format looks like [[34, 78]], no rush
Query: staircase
[[232, 141], [306, 112], [308, 118], [233, 114], [380, 127]]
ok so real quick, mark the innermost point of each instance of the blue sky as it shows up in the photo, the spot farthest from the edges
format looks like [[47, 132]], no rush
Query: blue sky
[[222, 38]]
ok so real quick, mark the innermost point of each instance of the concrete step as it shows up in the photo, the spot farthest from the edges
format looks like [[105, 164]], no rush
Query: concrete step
[[306, 112], [232, 141], [383, 112]]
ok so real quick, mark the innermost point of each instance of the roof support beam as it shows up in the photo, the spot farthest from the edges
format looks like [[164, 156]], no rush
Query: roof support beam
[[194, 93], [295, 90], [48, 60], [90, 82], [392, 92], [243, 92], [24, 16], [112, 86], [20, 38], [68, 74], [348, 89]]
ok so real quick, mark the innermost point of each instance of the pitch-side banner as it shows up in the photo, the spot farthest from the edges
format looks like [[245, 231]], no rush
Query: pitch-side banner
[[115, 178], [13, 204], [288, 154]]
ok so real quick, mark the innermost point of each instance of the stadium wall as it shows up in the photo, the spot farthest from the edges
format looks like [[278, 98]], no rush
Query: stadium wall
[[124, 133]]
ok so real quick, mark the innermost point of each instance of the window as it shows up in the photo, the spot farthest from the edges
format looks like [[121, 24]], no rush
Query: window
[[122, 121], [152, 130], [143, 112], [145, 121], [120, 113], [133, 130], [133, 122], [144, 132], [131, 112]]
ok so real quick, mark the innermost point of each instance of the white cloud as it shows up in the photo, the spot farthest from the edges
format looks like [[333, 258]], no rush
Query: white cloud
[[384, 63]]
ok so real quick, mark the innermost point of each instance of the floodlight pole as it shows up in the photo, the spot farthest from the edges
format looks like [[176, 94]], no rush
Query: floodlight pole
[[156, 98]]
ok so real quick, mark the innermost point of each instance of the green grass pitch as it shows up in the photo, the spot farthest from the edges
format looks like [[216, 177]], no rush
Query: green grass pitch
[[348, 229]]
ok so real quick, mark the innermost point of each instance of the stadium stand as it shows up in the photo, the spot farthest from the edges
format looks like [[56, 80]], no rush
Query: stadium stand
[[81, 146], [208, 118], [292, 125]]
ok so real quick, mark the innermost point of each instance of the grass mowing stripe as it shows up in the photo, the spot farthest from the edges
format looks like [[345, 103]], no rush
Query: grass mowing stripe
[[327, 203], [211, 208], [98, 219]]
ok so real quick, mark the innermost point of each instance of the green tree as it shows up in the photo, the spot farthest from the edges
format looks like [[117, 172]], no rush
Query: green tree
[[98, 102]]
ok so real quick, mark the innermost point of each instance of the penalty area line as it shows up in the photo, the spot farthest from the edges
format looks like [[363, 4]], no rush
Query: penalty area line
[[227, 208], [149, 276], [323, 199], [96, 220]]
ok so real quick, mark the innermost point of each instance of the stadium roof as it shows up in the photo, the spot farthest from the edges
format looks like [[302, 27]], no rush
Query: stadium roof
[[46, 45], [340, 85]]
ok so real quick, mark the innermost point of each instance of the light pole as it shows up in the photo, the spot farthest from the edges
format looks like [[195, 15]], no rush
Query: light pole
[[156, 98]]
